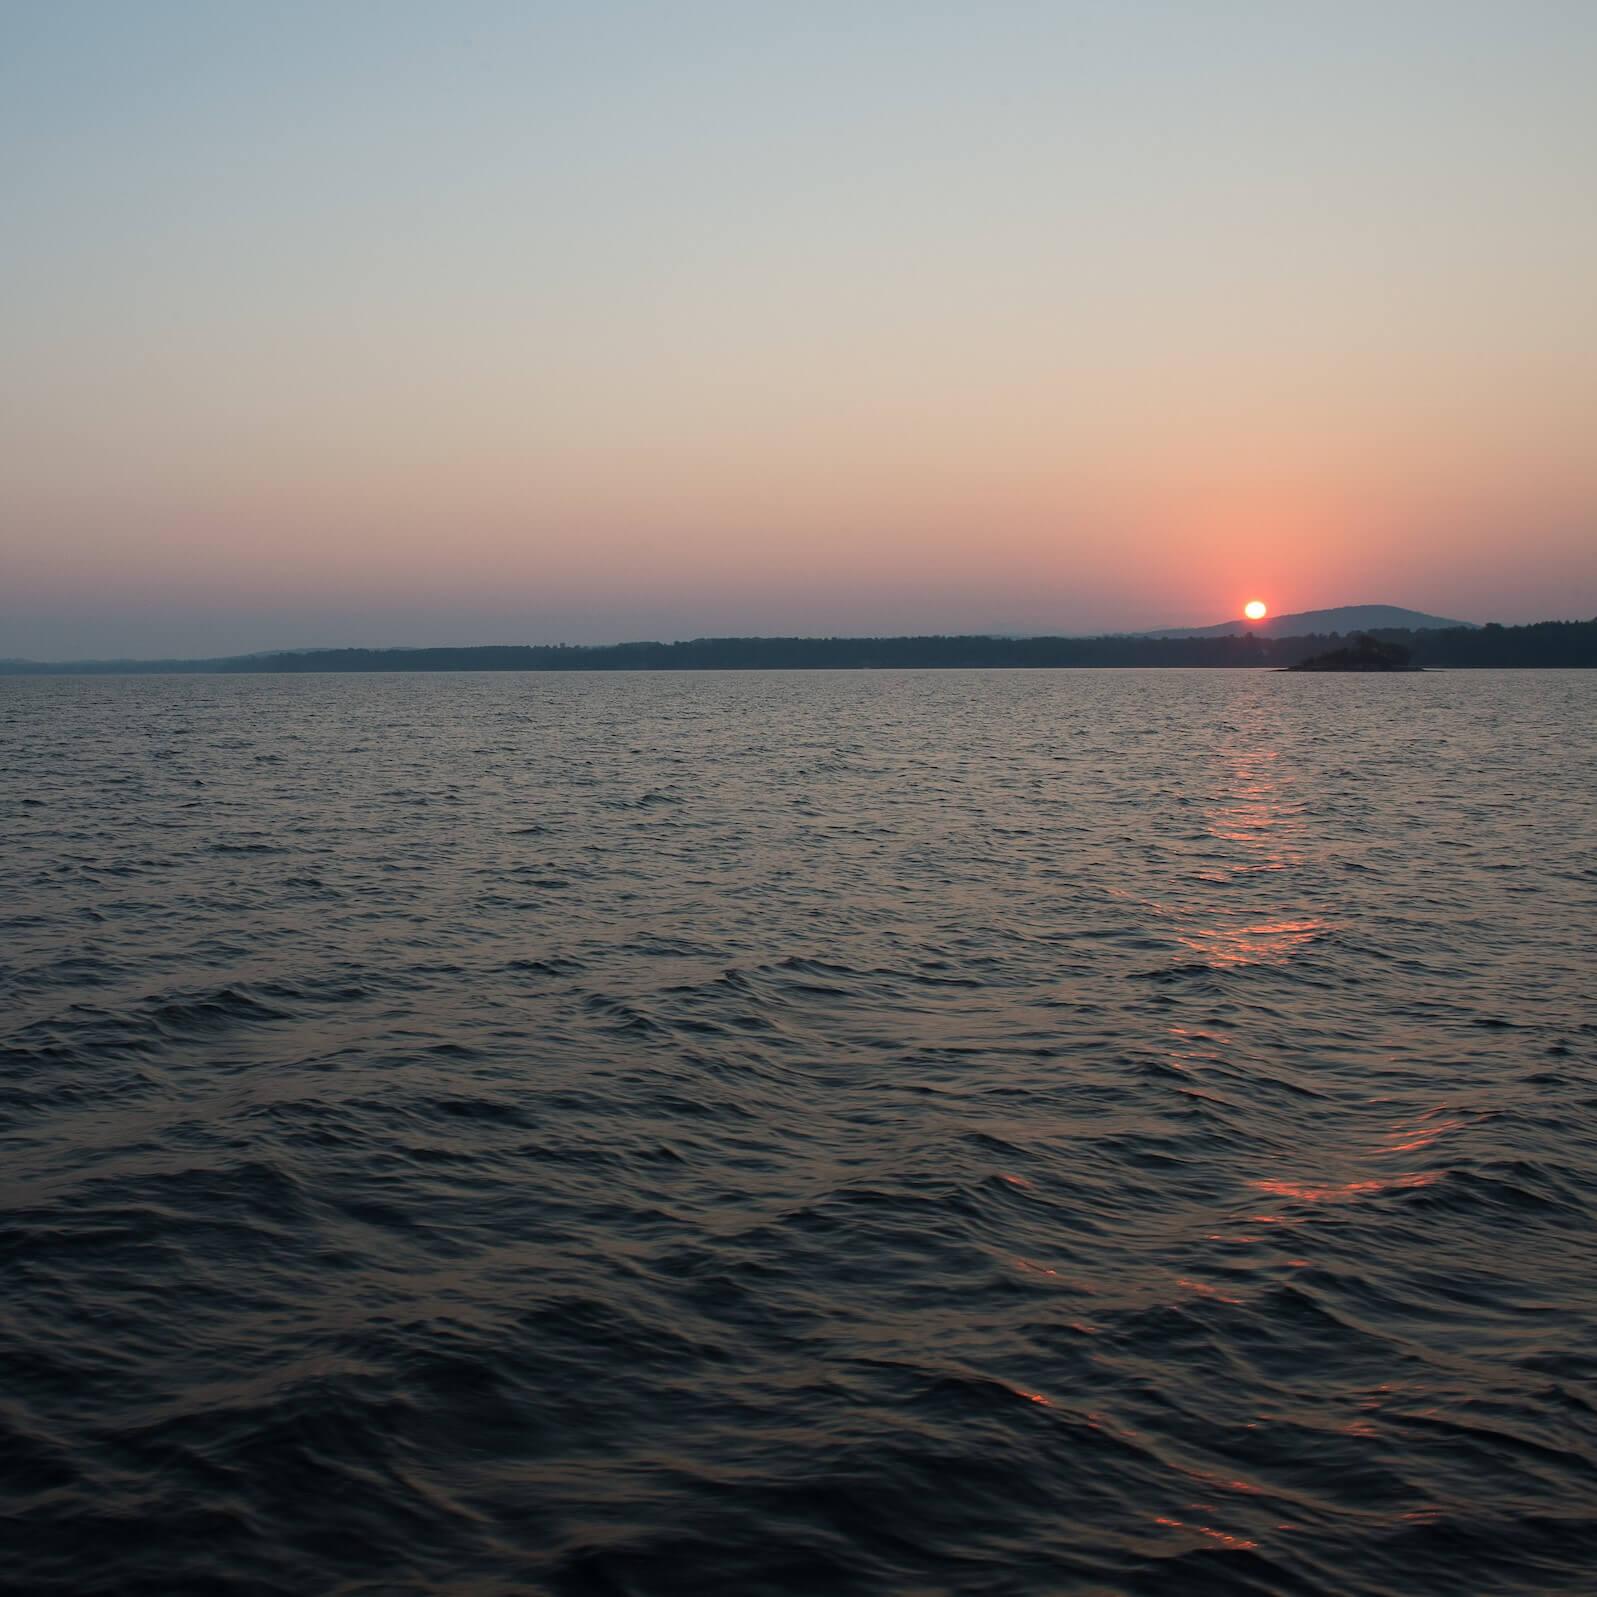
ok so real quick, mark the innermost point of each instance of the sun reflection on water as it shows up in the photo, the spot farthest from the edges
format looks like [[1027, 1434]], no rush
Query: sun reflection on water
[[1267, 943], [1344, 1191], [1255, 826]]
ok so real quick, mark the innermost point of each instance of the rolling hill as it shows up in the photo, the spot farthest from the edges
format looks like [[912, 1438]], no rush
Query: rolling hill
[[1344, 619]]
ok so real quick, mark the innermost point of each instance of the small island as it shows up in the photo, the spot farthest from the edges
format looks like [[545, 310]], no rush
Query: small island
[[1363, 654]]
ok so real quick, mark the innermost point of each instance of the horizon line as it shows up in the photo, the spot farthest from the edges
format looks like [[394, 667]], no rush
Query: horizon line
[[9, 663]]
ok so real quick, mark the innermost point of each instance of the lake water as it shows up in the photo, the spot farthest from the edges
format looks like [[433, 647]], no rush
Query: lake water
[[923, 1133]]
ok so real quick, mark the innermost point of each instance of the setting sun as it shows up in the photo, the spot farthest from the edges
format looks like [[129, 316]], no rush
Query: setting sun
[[1255, 610]]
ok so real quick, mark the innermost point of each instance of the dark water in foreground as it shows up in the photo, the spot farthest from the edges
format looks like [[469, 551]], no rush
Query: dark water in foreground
[[821, 1134]]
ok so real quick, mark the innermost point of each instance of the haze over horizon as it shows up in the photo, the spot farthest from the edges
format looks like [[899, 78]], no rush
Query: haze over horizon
[[403, 325], [433, 629]]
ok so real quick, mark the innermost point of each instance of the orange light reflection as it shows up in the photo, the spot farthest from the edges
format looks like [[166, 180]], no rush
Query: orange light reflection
[[1241, 1543], [1343, 1192]]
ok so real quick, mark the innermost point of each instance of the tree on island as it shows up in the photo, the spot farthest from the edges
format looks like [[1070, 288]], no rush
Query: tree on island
[[1363, 654]]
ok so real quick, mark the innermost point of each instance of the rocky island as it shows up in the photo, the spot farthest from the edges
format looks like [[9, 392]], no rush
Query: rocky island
[[1363, 654]]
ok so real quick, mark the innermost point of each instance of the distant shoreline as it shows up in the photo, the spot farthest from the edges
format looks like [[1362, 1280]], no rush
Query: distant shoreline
[[1542, 644]]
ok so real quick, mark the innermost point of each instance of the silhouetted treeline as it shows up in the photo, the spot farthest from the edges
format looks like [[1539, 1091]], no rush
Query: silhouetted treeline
[[1365, 653], [1543, 643]]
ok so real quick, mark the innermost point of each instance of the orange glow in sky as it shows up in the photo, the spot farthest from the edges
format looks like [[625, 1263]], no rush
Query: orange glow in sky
[[585, 323]]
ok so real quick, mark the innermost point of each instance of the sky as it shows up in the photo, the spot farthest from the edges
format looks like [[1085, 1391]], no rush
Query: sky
[[378, 323]]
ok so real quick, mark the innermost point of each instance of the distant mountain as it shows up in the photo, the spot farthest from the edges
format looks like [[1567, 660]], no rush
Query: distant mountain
[[1344, 619]]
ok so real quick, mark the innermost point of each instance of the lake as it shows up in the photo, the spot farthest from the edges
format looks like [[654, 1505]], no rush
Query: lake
[[817, 1133]]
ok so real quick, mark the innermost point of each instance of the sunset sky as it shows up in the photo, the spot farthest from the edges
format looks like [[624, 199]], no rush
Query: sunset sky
[[419, 323]]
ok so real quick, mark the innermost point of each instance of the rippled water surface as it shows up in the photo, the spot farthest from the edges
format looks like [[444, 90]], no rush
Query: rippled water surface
[[939, 1133]]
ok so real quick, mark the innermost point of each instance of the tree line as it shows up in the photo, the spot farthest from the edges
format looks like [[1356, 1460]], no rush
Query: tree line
[[1542, 643]]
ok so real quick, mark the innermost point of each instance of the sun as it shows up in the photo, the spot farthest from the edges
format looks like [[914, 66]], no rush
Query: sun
[[1255, 609]]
